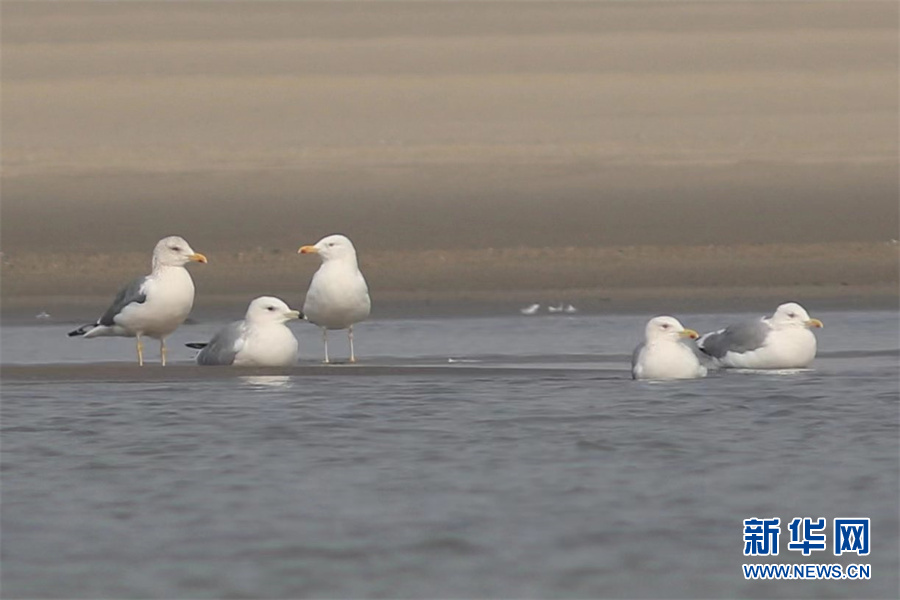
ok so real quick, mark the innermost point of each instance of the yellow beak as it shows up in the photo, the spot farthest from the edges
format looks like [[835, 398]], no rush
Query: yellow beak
[[690, 333], [294, 314], [198, 257], [814, 323], [307, 250]]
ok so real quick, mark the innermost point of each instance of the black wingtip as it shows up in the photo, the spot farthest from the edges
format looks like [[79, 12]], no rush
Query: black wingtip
[[80, 331], [197, 345]]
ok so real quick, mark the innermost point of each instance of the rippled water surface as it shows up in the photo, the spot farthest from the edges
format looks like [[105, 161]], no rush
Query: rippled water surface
[[494, 457]]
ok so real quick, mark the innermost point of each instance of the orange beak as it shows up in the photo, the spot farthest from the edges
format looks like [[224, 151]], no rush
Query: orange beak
[[690, 333], [198, 258], [307, 250]]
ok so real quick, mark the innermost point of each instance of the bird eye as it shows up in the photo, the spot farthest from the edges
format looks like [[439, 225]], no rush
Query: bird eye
[[175, 248], [270, 308], [665, 325], [792, 315]]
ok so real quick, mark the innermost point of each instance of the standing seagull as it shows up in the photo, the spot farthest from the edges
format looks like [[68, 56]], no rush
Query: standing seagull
[[664, 354], [782, 341], [338, 295], [261, 340], [153, 305]]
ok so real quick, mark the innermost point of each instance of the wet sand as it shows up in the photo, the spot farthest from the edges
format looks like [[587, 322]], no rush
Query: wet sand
[[129, 373], [624, 156], [493, 281]]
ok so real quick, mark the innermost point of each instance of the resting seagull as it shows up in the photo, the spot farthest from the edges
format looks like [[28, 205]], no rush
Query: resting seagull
[[782, 341], [261, 340], [338, 295], [153, 305], [665, 353]]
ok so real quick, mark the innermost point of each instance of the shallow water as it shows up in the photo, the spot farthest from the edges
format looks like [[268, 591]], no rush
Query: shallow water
[[495, 457]]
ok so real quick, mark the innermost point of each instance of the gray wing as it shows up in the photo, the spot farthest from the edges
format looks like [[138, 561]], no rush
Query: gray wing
[[222, 349], [636, 356], [131, 293], [740, 337]]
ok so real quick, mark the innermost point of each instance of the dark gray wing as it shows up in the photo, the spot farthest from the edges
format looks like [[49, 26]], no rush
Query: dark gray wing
[[635, 356], [130, 294], [740, 337], [222, 349]]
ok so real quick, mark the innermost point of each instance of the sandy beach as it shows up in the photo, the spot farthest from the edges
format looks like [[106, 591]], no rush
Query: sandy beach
[[625, 156]]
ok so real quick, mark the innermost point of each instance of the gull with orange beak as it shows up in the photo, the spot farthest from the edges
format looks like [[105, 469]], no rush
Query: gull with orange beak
[[338, 295], [667, 352], [153, 305], [782, 341]]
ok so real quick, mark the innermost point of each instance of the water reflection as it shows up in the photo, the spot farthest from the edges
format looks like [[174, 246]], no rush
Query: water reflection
[[276, 381]]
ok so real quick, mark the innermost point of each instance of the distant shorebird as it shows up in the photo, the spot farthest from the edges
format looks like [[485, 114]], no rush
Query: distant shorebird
[[338, 295], [530, 310], [561, 308], [153, 305]]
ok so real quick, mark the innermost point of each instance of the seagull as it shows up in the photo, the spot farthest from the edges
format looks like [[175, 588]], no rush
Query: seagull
[[555, 309], [782, 341], [260, 340], [153, 305], [570, 309], [338, 295], [530, 310], [664, 354]]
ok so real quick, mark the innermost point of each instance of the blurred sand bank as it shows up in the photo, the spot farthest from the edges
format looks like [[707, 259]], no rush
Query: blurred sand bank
[[628, 155]]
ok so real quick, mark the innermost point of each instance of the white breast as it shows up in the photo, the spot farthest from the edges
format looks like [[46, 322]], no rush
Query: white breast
[[268, 346], [169, 299], [668, 360], [337, 298]]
